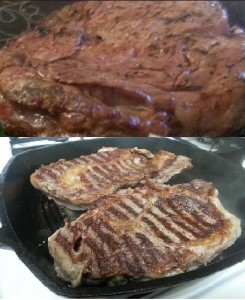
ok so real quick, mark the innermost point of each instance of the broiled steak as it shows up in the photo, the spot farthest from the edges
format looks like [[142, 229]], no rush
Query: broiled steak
[[78, 183], [153, 231], [126, 68]]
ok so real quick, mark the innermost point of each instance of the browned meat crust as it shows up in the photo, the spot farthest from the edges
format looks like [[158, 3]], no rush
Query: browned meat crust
[[153, 231], [126, 68], [80, 182]]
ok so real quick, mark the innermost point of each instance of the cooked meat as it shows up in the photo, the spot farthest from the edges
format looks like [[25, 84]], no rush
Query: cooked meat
[[78, 183], [154, 231], [126, 68]]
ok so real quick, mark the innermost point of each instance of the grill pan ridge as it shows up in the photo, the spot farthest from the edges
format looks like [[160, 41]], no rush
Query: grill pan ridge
[[29, 218]]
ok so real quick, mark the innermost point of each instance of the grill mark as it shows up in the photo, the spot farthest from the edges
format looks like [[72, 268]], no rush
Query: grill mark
[[112, 244], [117, 249], [82, 160], [92, 159], [147, 250], [115, 168], [96, 158], [59, 171], [109, 168], [68, 163], [96, 178], [39, 174], [144, 239], [120, 168], [194, 210], [128, 208], [139, 265], [118, 214], [204, 212], [134, 206], [50, 173], [61, 167], [150, 259], [92, 182], [125, 166], [189, 219], [103, 155], [175, 218], [140, 204], [42, 176], [101, 171], [112, 247], [107, 227], [167, 224], [45, 170], [84, 178], [164, 228], [125, 210], [106, 237], [159, 234], [136, 200], [148, 198], [206, 218], [94, 175], [97, 251], [94, 263], [125, 264], [155, 253]]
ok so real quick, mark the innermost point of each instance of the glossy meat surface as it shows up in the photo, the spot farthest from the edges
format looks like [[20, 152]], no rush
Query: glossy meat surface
[[128, 68]]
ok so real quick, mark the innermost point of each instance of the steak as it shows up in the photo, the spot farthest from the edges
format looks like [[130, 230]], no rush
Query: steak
[[126, 68], [78, 183], [154, 231]]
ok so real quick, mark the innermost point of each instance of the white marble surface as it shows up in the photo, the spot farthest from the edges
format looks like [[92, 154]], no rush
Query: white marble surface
[[17, 281]]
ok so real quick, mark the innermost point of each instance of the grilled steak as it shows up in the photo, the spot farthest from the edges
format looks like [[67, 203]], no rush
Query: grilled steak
[[78, 183], [126, 68], [154, 231]]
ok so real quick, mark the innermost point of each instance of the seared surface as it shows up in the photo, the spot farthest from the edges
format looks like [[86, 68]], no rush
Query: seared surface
[[154, 231], [80, 182], [126, 68]]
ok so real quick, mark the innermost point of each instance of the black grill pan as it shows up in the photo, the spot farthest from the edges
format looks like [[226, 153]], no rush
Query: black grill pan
[[28, 218]]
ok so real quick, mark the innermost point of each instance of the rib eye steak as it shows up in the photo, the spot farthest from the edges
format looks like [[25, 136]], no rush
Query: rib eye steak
[[78, 183], [154, 231], [126, 68]]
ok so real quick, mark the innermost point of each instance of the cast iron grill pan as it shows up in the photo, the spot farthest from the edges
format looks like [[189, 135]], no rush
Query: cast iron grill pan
[[13, 27], [29, 218]]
